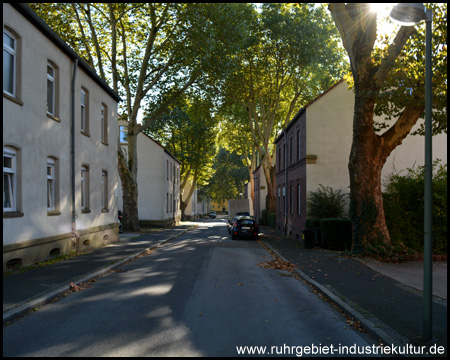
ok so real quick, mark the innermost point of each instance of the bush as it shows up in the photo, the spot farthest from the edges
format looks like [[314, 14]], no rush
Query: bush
[[336, 233], [326, 203], [271, 218], [263, 220], [312, 223], [403, 202]]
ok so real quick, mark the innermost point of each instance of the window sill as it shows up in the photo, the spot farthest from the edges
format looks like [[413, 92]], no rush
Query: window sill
[[105, 143], [105, 210], [53, 213], [86, 211], [85, 133], [53, 117], [12, 214], [13, 99]]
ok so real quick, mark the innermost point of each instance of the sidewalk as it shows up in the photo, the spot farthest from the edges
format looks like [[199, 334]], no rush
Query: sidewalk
[[24, 291], [385, 298]]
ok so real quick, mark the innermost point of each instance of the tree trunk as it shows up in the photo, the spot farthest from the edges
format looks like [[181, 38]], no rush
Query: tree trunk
[[130, 219], [269, 172], [367, 158]]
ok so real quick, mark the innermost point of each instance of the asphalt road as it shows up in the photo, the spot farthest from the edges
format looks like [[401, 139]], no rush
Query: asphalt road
[[201, 294]]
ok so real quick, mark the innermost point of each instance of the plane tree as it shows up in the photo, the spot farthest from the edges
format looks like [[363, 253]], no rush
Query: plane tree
[[389, 81], [293, 54], [187, 129]]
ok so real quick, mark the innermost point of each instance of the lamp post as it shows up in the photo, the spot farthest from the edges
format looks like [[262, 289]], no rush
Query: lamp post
[[408, 15]]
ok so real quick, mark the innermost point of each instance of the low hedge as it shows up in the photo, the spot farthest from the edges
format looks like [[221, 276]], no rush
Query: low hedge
[[263, 219], [271, 218]]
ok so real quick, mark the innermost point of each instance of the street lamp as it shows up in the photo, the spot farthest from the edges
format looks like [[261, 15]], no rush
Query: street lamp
[[408, 15]]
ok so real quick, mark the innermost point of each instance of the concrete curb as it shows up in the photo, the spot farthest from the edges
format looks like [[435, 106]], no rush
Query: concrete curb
[[30, 304], [370, 322]]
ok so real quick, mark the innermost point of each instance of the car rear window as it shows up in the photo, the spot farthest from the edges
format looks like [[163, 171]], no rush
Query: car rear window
[[245, 222]]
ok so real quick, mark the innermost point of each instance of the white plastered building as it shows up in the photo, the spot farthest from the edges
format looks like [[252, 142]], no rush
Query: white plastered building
[[59, 145]]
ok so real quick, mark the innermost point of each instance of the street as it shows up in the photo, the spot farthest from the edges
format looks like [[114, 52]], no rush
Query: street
[[202, 294]]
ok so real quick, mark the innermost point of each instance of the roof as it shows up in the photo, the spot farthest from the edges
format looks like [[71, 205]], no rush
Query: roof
[[165, 150], [32, 17], [303, 109]]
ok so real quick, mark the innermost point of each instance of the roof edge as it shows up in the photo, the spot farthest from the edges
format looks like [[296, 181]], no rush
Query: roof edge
[[42, 26]]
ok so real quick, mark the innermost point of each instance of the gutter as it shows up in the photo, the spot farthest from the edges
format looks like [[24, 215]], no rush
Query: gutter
[[72, 157]]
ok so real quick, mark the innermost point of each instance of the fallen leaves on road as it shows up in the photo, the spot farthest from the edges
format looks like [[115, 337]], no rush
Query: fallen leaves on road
[[278, 265], [79, 287]]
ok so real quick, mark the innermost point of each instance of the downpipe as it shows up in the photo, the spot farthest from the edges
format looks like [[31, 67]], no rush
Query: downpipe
[[72, 155]]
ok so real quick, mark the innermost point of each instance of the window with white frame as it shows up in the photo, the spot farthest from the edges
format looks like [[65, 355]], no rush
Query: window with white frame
[[50, 89], [50, 184], [84, 111], [9, 63], [104, 123], [84, 188], [9, 179], [104, 190]]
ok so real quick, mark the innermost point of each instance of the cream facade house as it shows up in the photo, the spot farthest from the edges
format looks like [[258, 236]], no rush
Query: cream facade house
[[158, 181], [314, 149], [60, 133]]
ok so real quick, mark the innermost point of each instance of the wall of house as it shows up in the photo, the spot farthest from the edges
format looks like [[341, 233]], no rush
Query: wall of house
[[329, 136], [326, 138], [32, 232], [155, 182], [291, 195]]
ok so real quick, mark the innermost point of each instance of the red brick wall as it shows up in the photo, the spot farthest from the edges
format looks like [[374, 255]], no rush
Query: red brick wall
[[294, 223]]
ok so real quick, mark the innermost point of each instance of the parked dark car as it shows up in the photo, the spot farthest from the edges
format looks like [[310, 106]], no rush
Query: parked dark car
[[212, 214], [243, 227]]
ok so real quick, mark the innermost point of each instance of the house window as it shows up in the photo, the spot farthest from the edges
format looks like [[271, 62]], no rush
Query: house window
[[84, 188], [290, 149], [9, 179], [9, 63], [123, 130], [291, 196], [279, 198], [50, 184], [104, 190], [84, 111], [298, 199], [298, 145], [104, 123], [50, 89]]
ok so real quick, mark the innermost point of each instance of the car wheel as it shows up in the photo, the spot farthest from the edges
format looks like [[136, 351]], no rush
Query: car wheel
[[233, 237]]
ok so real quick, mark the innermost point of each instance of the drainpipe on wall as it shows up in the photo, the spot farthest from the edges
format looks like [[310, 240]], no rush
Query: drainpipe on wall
[[285, 184], [72, 155]]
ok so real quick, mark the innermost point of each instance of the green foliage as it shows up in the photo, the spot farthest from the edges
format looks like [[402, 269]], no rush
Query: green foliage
[[271, 219], [336, 233], [312, 223], [263, 220], [326, 203], [188, 132], [229, 176], [404, 208]]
